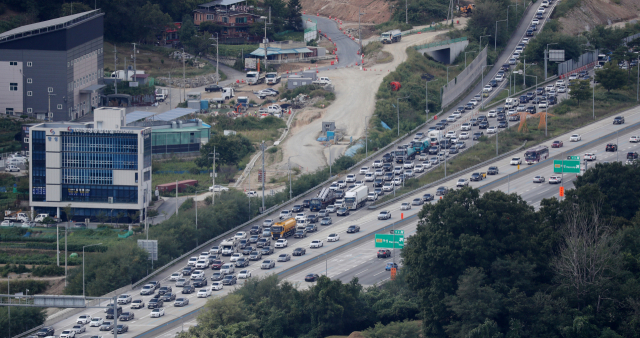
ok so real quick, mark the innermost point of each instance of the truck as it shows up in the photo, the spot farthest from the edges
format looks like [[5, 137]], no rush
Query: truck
[[254, 78], [356, 197], [272, 78], [323, 80], [325, 198], [16, 216], [273, 109], [283, 229], [228, 246], [434, 137], [125, 75], [511, 102], [162, 94], [391, 36]]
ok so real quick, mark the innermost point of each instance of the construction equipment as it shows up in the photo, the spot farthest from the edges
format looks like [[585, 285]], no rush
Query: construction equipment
[[467, 10], [395, 86]]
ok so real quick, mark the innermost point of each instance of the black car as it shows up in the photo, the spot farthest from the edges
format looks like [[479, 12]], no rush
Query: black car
[[553, 100], [501, 118], [306, 203], [256, 230], [378, 183], [216, 276], [468, 106], [493, 171], [611, 147], [197, 283], [188, 289], [121, 328], [353, 229], [503, 124], [442, 191], [299, 251], [531, 109], [297, 208], [170, 296], [262, 242], [312, 277], [433, 150], [267, 250], [531, 95], [474, 122], [164, 290], [618, 120], [312, 218], [247, 250], [483, 125], [343, 212], [493, 83], [300, 233], [427, 197], [539, 91], [482, 118], [476, 177], [387, 167], [213, 88], [126, 316], [384, 253], [156, 302], [477, 135], [388, 177], [453, 150], [243, 243], [187, 271], [387, 158], [229, 280], [254, 238], [311, 228], [110, 312], [45, 331]]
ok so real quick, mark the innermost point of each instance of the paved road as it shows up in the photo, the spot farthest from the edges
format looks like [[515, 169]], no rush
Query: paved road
[[347, 48]]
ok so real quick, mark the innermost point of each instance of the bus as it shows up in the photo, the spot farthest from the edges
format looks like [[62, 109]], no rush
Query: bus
[[536, 154]]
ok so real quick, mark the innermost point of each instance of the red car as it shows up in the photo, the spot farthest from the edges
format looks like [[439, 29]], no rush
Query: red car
[[557, 144], [216, 265]]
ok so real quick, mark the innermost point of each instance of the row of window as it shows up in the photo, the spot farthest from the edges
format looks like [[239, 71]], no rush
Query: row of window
[[87, 176], [112, 143], [100, 160], [82, 81], [15, 63], [99, 193], [86, 56]]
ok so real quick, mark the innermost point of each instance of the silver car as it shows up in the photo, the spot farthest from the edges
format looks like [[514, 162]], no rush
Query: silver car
[[538, 179], [268, 264], [284, 257], [181, 302]]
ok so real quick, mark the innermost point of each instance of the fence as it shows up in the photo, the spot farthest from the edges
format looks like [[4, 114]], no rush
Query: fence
[[630, 38], [310, 30], [459, 85], [586, 60]]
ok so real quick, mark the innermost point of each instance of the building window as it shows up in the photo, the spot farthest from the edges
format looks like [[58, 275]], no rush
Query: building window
[[9, 111], [29, 110], [13, 87], [225, 20], [241, 20], [13, 63], [147, 175], [29, 93], [29, 63], [26, 140], [59, 107], [136, 177], [50, 89], [29, 80]]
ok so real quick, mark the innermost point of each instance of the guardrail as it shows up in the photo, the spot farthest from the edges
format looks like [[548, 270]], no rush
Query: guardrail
[[453, 176], [440, 43], [524, 91]]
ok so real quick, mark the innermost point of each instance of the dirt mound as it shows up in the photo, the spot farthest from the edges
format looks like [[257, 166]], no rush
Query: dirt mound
[[306, 117], [376, 11], [590, 13], [356, 334]]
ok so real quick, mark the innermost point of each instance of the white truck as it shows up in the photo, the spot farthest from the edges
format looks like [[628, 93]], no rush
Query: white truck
[[225, 94], [273, 109], [435, 136], [391, 36], [356, 197], [228, 246], [323, 80], [272, 78], [162, 94], [254, 78], [511, 102], [16, 216], [125, 75]]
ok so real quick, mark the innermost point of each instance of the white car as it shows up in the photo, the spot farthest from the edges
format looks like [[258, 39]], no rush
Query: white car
[[197, 274], [159, 312], [474, 102], [555, 179], [10, 168], [97, 321], [227, 269], [85, 319], [378, 172], [286, 213], [423, 157], [300, 216], [333, 238], [377, 164], [418, 136], [535, 21], [388, 186], [384, 215], [549, 87], [79, 328], [465, 126], [515, 161], [562, 89], [405, 206], [464, 136], [204, 293], [122, 299], [281, 243], [364, 170], [408, 165], [573, 77], [202, 264], [560, 83], [218, 188], [397, 181], [487, 89], [450, 134], [68, 334], [575, 138], [235, 257], [457, 114], [241, 235], [372, 196], [369, 177], [492, 113], [634, 139], [426, 164], [244, 274], [204, 255], [543, 104], [500, 77], [175, 276], [589, 157], [316, 244], [216, 286], [419, 168], [492, 130], [541, 10], [192, 261], [351, 178], [516, 55], [451, 118], [525, 40]]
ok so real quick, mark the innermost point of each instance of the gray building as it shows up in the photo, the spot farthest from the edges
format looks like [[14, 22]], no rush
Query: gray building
[[53, 69]]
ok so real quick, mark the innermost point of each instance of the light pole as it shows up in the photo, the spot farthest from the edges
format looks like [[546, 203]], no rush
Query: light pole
[[546, 57], [495, 40], [448, 73], [217, 54], [289, 166], [398, 110], [484, 36], [366, 137], [86, 246], [184, 78], [213, 175], [465, 56]]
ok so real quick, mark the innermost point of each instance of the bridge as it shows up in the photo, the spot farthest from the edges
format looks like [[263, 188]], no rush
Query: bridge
[[444, 51]]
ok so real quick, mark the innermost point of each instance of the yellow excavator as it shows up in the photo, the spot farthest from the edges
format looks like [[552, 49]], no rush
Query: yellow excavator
[[467, 10]]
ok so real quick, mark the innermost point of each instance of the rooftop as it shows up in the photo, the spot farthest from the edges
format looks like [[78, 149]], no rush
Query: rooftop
[[276, 51], [221, 3], [49, 25]]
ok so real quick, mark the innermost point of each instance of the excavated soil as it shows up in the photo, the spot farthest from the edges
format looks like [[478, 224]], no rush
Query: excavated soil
[[590, 13], [375, 11]]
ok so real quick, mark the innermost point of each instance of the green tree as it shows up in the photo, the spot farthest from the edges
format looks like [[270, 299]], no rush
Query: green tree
[[211, 27], [187, 30], [155, 21], [294, 15], [615, 184], [231, 150], [22, 319], [74, 8], [580, 90], [611, 77]]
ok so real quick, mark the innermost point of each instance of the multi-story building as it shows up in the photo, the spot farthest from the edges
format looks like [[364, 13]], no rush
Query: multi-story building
[[234, 18], [52, 69], [99, 168]]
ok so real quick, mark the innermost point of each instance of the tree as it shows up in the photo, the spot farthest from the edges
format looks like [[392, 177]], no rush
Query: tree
[[294, 17], [187, 30], [74, 8], [580, 90], [231, 150], [211, 27], [155, 21], [611, 77]]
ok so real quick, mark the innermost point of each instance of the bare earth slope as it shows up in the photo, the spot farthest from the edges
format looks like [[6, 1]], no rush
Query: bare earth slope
[[376, 11], [590, 13]]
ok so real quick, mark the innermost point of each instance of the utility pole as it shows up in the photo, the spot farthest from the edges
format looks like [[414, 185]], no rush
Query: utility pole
[[176, 201], [545, 64], [65, 252], [359, 31], [184, 78], [213, 175], [58, 244], [262, 147], [170, 103], [217, 54], [135, 74], [406, 11], [115, 67], [266, 48]]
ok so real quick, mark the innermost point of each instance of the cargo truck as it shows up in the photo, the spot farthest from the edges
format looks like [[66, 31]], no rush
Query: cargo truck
[[16, 216], [254, 78], [325, 198], [356, 197], [162, 94], [228, 246], [126, 75], [391, 36], [272, 78], [283, 229], [435, 136]]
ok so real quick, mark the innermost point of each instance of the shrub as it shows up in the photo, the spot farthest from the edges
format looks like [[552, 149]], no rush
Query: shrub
[[188, 204], [272, 150], [48, 270]]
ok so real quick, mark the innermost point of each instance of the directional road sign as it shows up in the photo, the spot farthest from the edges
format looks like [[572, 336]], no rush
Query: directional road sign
[[387, 241], [398, 232], [574, 158], [566, 166]]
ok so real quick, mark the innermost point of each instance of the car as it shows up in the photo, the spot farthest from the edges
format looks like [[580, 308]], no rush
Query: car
[[493, 170], [46, 331], [462, 182], [397, 181], [477, 135], [137, 304], [300, 216], [197, 283], [227, 269], [405, 206], [618, 120], [441, 191], [229, 280], [555, 179], [68, 333], [312, 277], [284, 214], [372, 196], [147, 290], [538, 179], [217, 276], [83, 319], [515, 161], [95, 322], [262, 242], [427, 197], [556, 144], [79, 328], [310, 228], [342, 212], [266, 250], [350, 178], [196, 274], [106, 326], [204, 293], [388, 186], [181, 302], [332, 208], [188, 289], [300, 233], [390, 265], [326, 221], [217, 264], [192, 261], [256, 229], [284, 257], [217, 286], [201, 264], [268, 222], [575, 138], [408, 165], [126, 316], [316, 243], [589, 157], [476, 177], [213, 88], [281, 243], [154, 303], [333, 238], [175, 276], [353, 229], [385, 214], [611, 147]]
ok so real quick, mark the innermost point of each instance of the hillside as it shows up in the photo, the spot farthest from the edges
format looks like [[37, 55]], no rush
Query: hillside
[[375, 11], [583, 15]]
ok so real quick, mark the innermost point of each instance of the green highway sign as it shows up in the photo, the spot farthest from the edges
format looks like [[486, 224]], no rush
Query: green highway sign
[[398, 232], [387, 241], [575, 158], [566, 166]]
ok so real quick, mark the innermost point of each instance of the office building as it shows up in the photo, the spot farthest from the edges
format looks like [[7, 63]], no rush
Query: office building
[[53, 69], [100, 168]]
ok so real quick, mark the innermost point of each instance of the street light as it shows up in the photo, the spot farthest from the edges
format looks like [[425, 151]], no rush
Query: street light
[[398, 110], [448, 73], [213, 175], [289, 166], [86, 246], [495, 40], [546, 57], [217, 54], [366, 137], [465, 56], [484, 36]]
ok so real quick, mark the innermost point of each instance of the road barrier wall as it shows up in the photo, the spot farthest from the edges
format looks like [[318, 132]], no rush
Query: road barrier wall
[[461, 83]]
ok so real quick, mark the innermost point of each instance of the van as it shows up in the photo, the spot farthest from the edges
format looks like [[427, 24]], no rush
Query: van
[[110, 312], [511, 103], [301, 223], [40, 217]]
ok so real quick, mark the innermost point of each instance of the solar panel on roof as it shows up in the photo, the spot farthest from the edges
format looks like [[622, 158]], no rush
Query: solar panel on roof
[[137, 115], [174, 114]]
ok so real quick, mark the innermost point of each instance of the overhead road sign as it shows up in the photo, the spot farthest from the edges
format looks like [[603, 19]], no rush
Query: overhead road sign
[[389, 241]]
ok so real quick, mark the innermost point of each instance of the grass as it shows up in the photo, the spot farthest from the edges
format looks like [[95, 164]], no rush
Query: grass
[[179, 165], [257, 135], [295, 36], [568, 117]]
